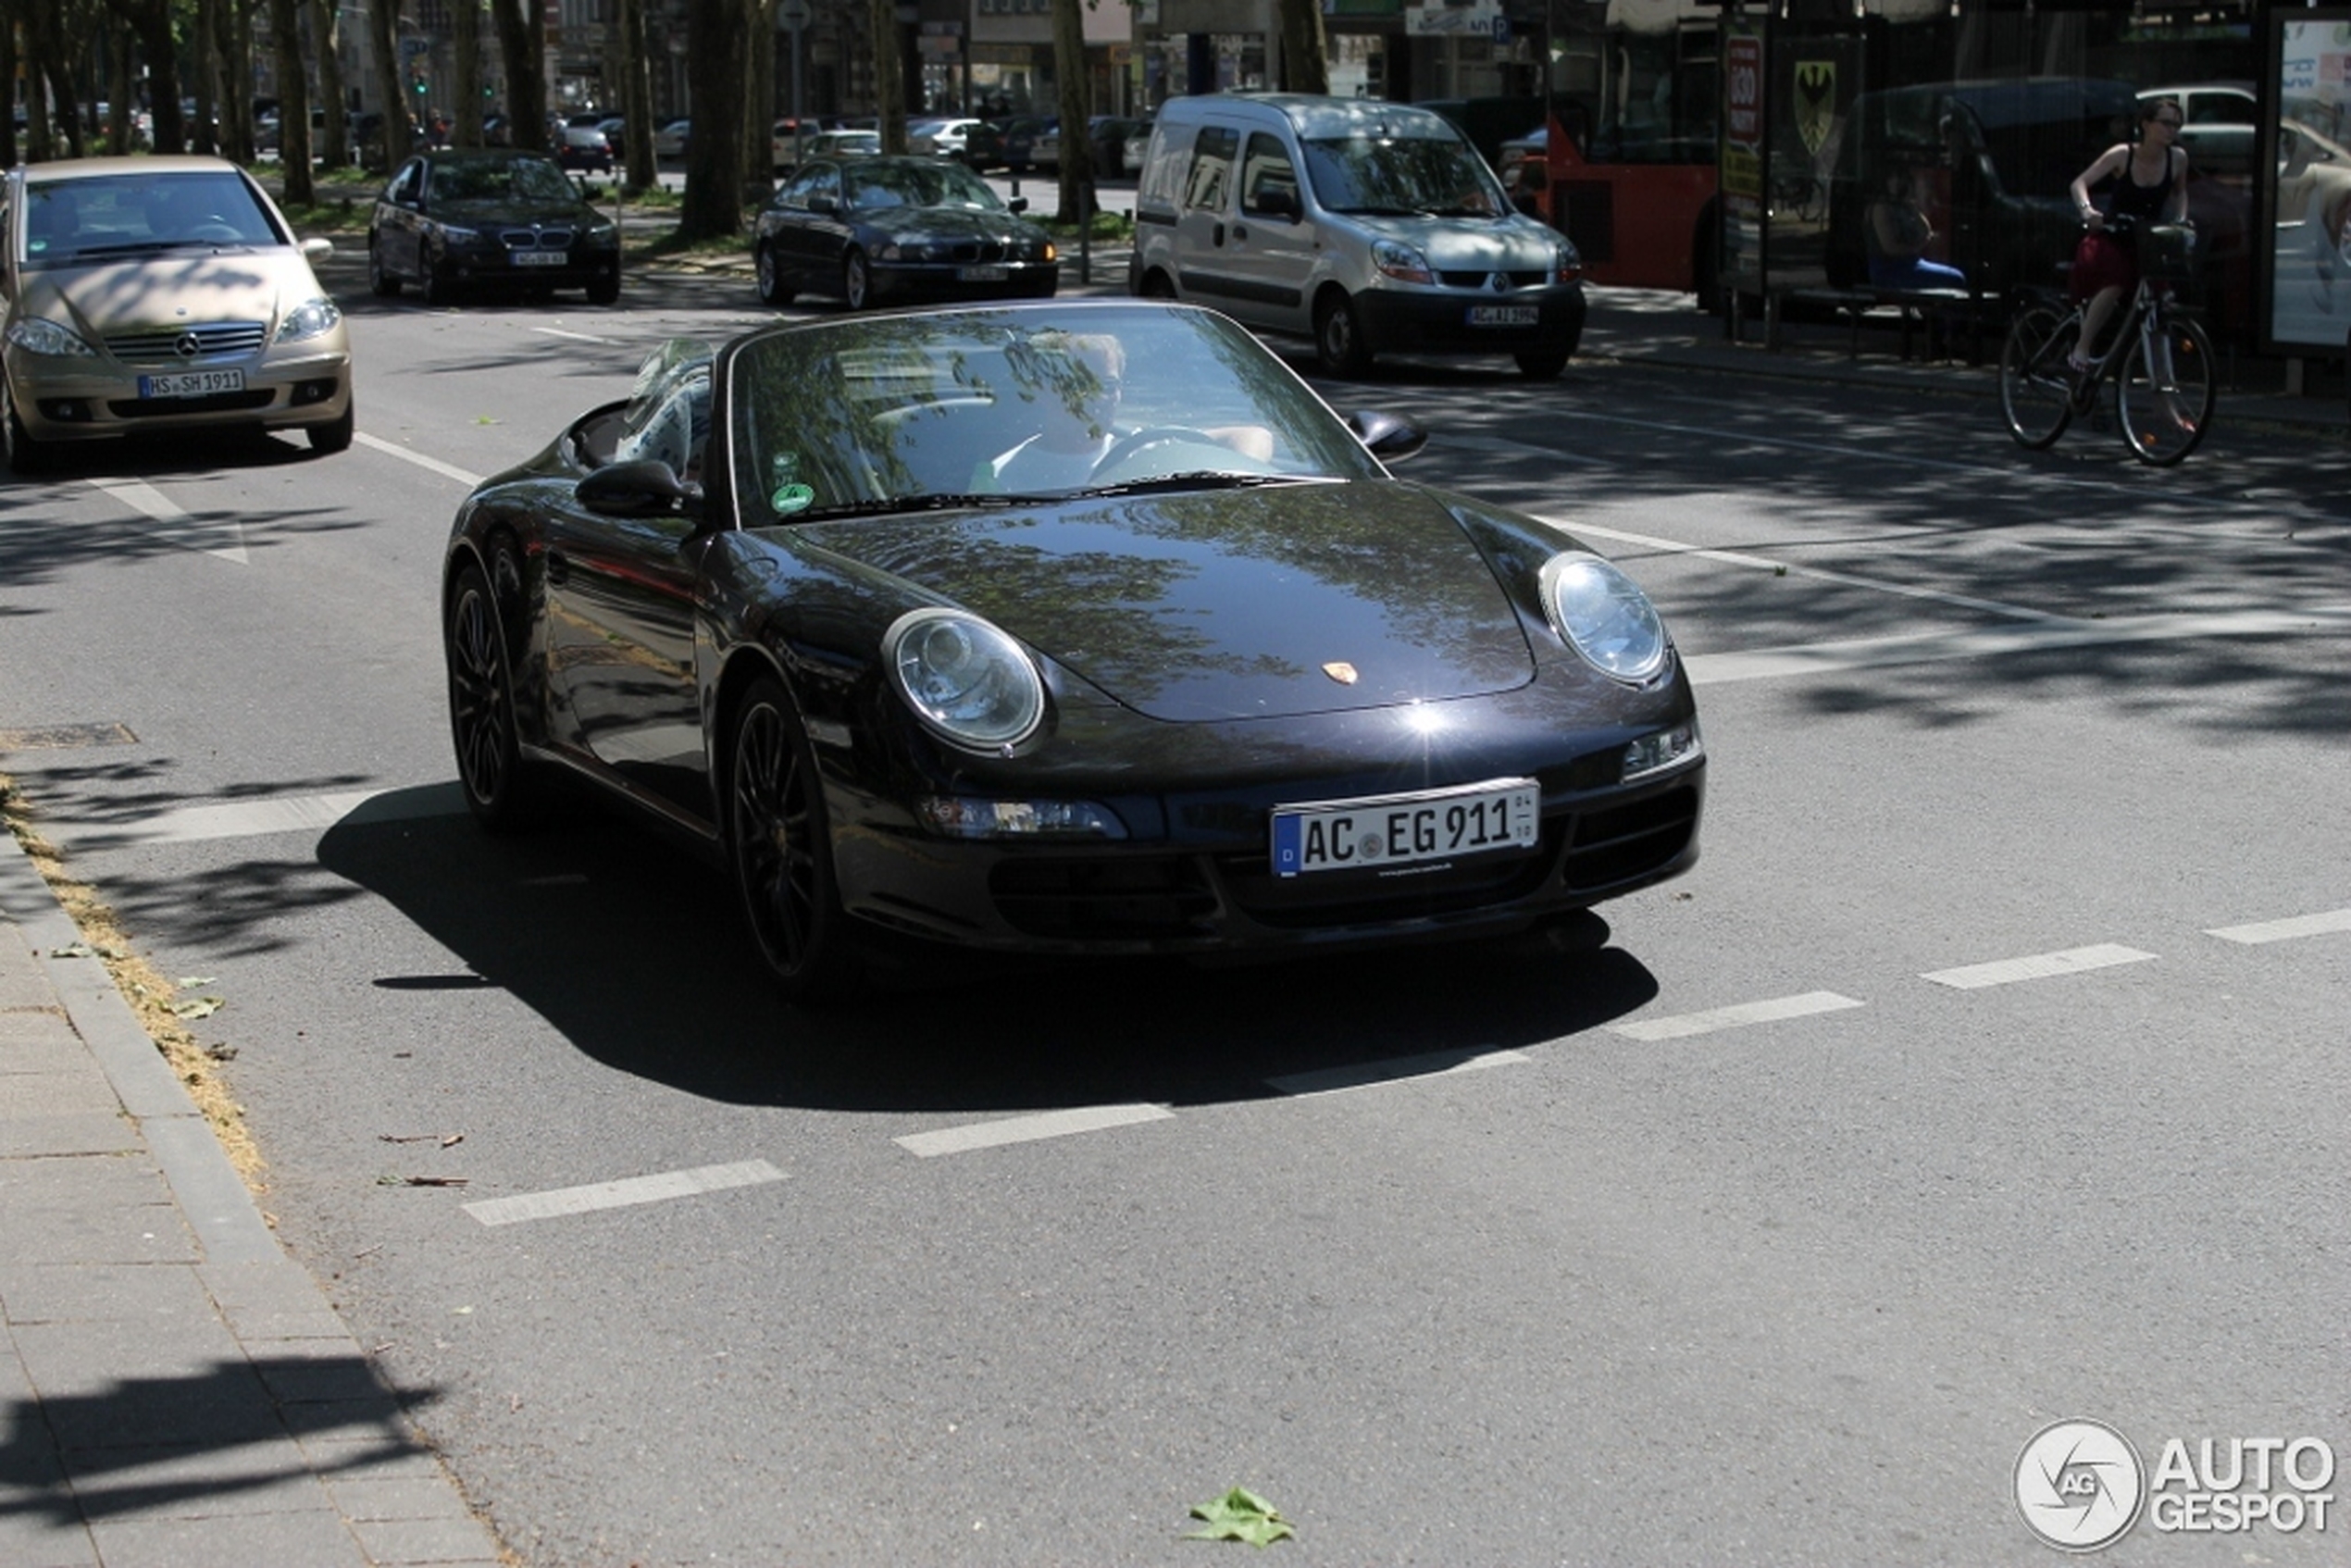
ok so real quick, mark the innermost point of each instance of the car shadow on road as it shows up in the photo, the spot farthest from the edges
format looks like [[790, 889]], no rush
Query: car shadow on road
[[632, 949]]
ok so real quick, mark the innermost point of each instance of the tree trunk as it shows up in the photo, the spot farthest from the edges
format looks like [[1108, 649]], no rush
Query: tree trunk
[[121, 45], [8, 98], [1305, 62], [384, 39], [1075, 98], [234, 39], [465, 117], [889, 84], [522, 50], [293, 104], [631, 48], [712, 207], [326, 31], [204, 57], [760, 117]]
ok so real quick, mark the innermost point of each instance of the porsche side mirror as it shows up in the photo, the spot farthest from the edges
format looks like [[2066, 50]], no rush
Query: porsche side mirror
[[647, 488], [317, 248], [1387, 436]]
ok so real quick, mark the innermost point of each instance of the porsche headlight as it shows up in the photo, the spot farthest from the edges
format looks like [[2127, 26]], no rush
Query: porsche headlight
[[37, 336], [308, 319], [966, 680], [1605, 616]]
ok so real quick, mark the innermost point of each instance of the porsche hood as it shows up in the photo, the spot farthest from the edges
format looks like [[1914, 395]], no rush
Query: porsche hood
[[1263, 602]]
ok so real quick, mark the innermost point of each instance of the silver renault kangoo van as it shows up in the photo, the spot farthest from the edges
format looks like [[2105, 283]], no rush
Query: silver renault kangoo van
[[1371, 227]]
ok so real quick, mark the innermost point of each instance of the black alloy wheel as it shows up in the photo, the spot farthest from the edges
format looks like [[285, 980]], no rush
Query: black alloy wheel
[[781, 851], [499, 787], [772, 288]]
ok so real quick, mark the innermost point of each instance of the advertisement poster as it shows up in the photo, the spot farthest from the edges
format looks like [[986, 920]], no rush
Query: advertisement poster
[[2311, 263]]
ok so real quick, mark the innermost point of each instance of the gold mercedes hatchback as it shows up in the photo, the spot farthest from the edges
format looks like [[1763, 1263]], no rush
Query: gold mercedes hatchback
[[160, 294]]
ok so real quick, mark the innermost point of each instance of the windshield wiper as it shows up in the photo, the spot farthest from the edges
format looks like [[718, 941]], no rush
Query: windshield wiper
[[1201, 479], [882, 505]]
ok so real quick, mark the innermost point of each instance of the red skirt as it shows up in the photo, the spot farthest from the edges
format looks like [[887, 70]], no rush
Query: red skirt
[[2100, 263]]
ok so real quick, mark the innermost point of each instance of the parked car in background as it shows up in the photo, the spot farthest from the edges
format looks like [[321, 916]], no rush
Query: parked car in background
[[840, 144], [669, 141], [454, 221], [875, 229], [1033, 143], [1108, 137], [942, 138], [160, 295], [583, 147], [984, 145], [1098, 716]]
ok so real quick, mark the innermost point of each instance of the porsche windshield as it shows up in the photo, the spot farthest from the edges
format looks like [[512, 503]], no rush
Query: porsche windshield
[[839, 418]]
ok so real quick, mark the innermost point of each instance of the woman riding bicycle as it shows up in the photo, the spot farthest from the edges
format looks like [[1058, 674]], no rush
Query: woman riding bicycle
[[2150, 186]]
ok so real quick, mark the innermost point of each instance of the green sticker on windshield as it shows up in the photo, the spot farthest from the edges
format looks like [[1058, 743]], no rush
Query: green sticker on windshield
[[792, 498]]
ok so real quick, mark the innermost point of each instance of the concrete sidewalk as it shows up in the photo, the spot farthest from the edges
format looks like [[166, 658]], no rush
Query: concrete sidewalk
[[175, 1392]]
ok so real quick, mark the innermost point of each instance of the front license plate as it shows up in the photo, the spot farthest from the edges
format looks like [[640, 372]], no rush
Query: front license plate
[[540, 258], [191, 383], [1505, 314], [1391, 830], [982, 274]]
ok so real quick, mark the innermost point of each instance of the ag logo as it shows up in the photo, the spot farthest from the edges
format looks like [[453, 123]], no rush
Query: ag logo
[[2079, 1485], [1815, 102]]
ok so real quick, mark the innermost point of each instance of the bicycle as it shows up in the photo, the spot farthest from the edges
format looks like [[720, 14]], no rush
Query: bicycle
[[2158, 359]]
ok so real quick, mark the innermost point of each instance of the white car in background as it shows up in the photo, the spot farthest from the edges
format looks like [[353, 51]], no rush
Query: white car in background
[[943, 138]]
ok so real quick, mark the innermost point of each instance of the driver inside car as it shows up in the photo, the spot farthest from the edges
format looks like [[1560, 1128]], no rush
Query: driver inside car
[[1076, 384], [1074, 391]]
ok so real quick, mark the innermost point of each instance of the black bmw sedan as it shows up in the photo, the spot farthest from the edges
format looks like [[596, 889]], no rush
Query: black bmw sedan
[[875, 229], [454, 220], [1078, 628]]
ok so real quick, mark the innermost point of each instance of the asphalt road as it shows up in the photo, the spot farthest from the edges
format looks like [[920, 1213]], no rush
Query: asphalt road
[[1987, 1071]]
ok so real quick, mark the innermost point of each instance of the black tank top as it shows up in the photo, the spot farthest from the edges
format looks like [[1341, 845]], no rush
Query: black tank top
[[2145, 203]]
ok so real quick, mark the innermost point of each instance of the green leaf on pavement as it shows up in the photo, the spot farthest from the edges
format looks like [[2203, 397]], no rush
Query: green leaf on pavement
[[1241, 1515], [196, 1007]]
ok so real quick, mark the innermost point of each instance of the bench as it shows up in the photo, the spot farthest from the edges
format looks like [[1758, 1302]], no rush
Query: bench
[[1915, 309]]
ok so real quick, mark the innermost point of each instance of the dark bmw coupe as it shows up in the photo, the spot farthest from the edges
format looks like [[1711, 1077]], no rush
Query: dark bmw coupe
[[454, 220], [867, 230], [1080, 629]]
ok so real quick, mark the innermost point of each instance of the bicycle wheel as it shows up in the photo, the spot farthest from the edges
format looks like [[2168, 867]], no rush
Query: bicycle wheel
[[2036, 390], [2165, 396]]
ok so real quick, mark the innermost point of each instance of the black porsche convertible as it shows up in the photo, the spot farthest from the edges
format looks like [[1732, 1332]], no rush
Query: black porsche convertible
[[1083, 628]]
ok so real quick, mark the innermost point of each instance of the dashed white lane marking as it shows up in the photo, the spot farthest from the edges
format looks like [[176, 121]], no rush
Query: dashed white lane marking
[[226, 539], [1396, 1069], [246, 819], [1029, 1129], [1746, 1013], [2072, 960], [1826, 658], [575, 337], [1818, 574], [1503, 444], [2287, 929], [393, 448], [622, 1194]]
